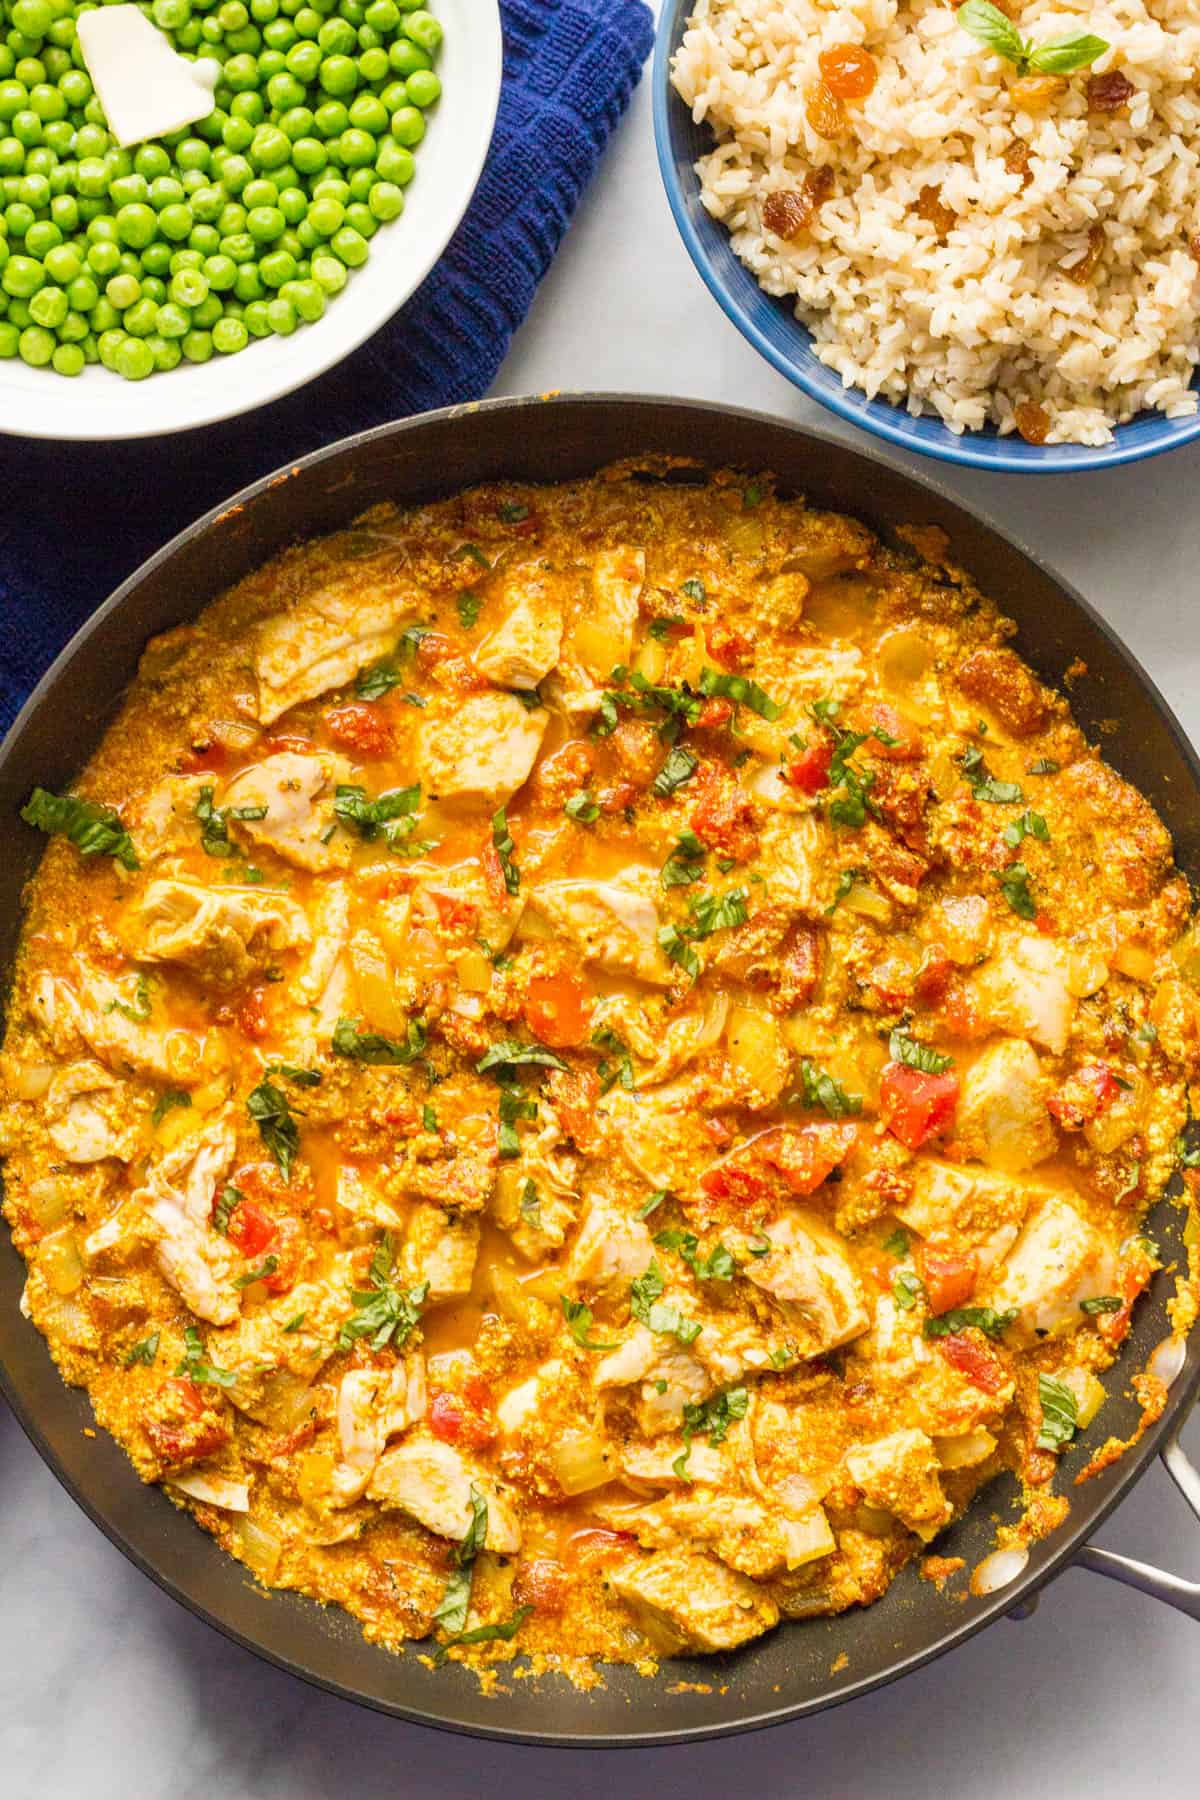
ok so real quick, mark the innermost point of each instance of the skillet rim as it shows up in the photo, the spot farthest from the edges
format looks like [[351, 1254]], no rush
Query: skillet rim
[[1066, 1539]]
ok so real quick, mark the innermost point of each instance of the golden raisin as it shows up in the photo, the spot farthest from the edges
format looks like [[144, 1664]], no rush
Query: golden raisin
[[1083, 270], [1016, 160], [787, 211], [1108, 93], [933, 209], [849, 71], [1194, 245], [1033, 422], [1034, 93], [825, 112]]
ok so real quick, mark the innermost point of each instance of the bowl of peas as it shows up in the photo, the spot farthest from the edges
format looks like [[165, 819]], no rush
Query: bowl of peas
[[182, 280]]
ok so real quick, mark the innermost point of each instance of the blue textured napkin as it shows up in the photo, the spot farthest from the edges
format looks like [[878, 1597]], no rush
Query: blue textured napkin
[[75, 519]]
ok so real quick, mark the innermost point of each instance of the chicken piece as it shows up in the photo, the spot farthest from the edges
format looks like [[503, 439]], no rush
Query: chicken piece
[[88, 1115], [361, 1200], [808, 1272], [1058, 1261], [961, 925], [109, 1022], [178, 1199], [323, 643], [972, 1209], [690, 1600], [478, 748], [663, 1045], [669, 1378], [614, 923], [998, 680], [735, 1527], [778, 601], [610, 1251], [1002, 1117], [373, 1405], [299, 823], [223, 934], [433, 1482], [899, 1474], [654, 1464], [1132, 845], [525, 645], [440, 1249], [163, 821], [618, 577], [1023, 989]]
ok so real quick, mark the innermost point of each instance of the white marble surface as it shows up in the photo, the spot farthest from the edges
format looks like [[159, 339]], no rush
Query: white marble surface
[[108, 1689]]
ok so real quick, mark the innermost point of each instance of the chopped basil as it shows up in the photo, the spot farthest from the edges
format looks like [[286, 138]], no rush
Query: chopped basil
[[266, 1267], [982, 783], [718, 1265], [579, 1324], [228, 1198], [1014, 885], [898, 1243], [993, 1324], [268, 1107], [94, 830], [529, 698], [383, 1313], [634, 693], [1030, 824], [456, 1600], [582, 808], [612, 1072], [214, 823], [469, 607], [822, 1091], [845, 882], [653, 1203], [429, 1119], [503, 1630], [782, 1355], [166, 1102], [506, 850], [695, 590], [1045, 765], [753, 494], [513, 1106], [905, 1049], [474, 552], [717, 912], [685, 865], [713, 1416], [194, 1366], [144, 1351], [391, 815], [679, 767], [293, 1325], [531, 1206], [512, 512], [1060, 1413], [301, 1077], [1101, 1303], [379, 679], [512, 1053], [661, 629], [907, 1289], [740, 690], [676, 947], [139, 1011], [373, 1047], [645, 1303]]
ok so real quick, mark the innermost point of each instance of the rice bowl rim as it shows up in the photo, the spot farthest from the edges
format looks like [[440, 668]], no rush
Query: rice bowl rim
[[771, 326]]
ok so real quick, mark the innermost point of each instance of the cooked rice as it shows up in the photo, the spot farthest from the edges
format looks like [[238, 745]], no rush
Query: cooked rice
[[971, 327]]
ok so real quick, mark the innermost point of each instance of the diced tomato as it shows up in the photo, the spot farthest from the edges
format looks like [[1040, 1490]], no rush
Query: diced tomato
[[717, 1127], [887, 721], [810, 770], [437, 656], [616, 798], [558, 1011], [455, 1421], [252, 1014], [287, 1249], [728, 647], [596, 1541], [714, 715], [213, 759], [933, 976], [804, 1158], [1083, 1096], [250, 1230], [723, 817], [1114, 1327], [573, 1094], [455, 914], [288, 741], [742, 1182], [493, 874], [361, 728], [949, 1279], [960, 1013], [916, 1106], [981, 1367], [541, 1583], [190, 1396], [191, 1428], [799, 967]]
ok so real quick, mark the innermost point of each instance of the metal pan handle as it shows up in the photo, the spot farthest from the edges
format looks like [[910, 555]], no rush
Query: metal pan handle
[[1158, 1583]]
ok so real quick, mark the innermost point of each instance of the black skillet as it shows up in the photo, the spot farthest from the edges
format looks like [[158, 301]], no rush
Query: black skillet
[[788, 1673]]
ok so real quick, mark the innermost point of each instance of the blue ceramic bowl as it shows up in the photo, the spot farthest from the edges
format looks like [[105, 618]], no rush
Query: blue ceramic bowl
[[773, 329]]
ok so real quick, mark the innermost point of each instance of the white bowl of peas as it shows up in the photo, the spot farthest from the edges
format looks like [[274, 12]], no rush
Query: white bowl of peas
[[193, 277]]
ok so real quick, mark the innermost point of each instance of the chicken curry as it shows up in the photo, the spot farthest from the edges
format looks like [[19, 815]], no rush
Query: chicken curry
[[586, 1064]]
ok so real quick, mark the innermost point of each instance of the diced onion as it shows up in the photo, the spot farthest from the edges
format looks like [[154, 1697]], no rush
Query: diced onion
[[313, 1476], [474, 972], [261, 1548], [49, 1200], [1089, 1394], [598, 645], [580, 1462], [867, 903], [876, 1521], [1186, 954], [60, 1262], [755, 1049], [1135, 961], [651, 660], [288, 1400], [66, 1319], [999, 1569], [1166, 1362], [1086, 973], [215, 1490], [29, 1081], [904, 657], [512, 1301], [808, 1538], [965, 1449]]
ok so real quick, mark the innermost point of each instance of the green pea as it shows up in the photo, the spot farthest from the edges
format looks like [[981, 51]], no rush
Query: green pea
[[308, 298], [82, 294], [293, 204], [279, 34], [281, 316], [255, 319], [221, 272], [386, 201], [284, 91], [49, 307], [156, 258], [270, 148], [165, 351], [337, 37], [265, 223], [170, 15], [337, 75], [91, 140], [206, 204], [174, 321], [19, 218], [230, 336], [151, 161], [153, 288], [248, 285], [350, 246], [12, 156], [296, 124], [309, 155], [63, 263], [36, 346], [136, 225], [235, 174], [361, 183], [406, 57], [259, 192], [104, 316], [9, 336], [240, 73], [408, 125], [423, 29], [133, 359], [123, 290], [64, 210], [331, 119], [237, 134], [249, 106], [424, 88], [193, 153], [373, 65], [22, 276], [303, 61], [277, 267], [73, 329], [382, 15], [140, 320], [308, 21], [247, 41], [197, 346], [393, 162], [18, 312], [129, 190], [42, 235], [175, 222], [368, 113], [32, 18], [188, 287], [362, 219], [239, 245], [67, 359], [108, 342], [204, 238]]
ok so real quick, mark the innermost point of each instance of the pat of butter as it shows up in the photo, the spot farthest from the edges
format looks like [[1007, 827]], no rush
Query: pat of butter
[[146, 89]]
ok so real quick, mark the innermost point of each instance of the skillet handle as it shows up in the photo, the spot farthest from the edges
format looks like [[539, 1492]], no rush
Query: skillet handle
[[1158, 1583]]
